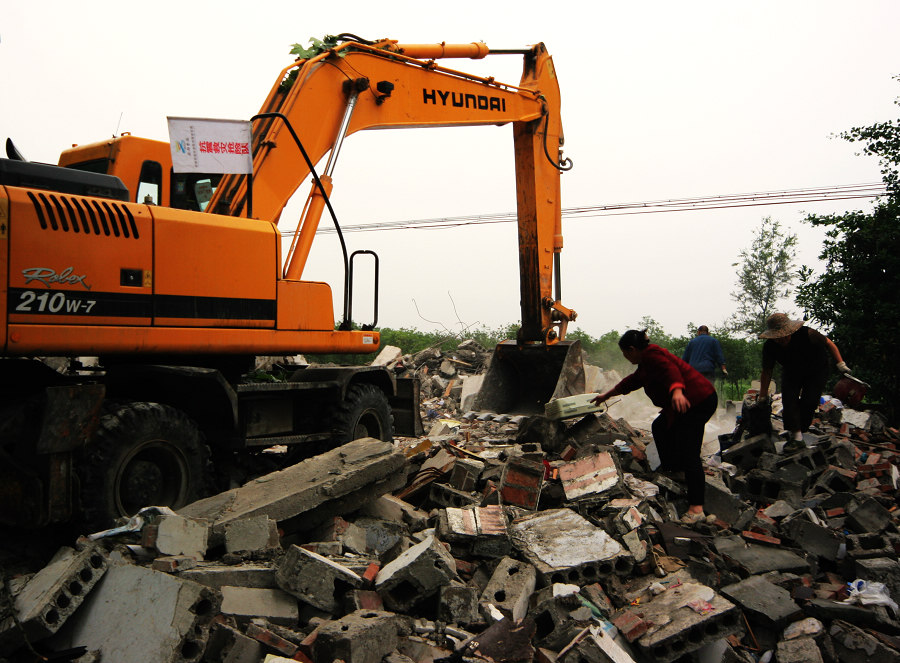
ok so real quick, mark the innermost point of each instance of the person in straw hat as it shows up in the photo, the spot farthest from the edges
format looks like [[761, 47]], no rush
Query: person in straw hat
[[803, 355]]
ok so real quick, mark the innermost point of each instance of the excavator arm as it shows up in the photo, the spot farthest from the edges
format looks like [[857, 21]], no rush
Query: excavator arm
[[357, 86]]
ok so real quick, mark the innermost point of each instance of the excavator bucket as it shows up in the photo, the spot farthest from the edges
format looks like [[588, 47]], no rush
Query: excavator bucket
[[521, 378]]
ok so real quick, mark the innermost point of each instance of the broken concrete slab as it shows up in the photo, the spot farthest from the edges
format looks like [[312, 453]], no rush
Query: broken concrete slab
[[763, 602], [54, 593], [334, 483], [565, 547], [165, 618], [680, 616], [217, 575]]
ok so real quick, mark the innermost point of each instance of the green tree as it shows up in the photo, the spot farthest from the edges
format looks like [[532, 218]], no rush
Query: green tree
[[765, 277], [856, 298]]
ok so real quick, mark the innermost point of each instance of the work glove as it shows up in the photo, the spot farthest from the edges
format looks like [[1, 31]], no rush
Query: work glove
[[843, 369]]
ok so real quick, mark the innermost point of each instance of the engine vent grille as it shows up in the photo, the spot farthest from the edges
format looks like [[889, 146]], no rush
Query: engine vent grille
[[91, 216]]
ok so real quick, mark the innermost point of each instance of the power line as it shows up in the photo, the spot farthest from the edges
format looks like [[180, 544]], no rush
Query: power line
[[759, 198]]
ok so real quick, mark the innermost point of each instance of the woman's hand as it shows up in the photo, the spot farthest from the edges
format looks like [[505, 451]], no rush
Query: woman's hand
[[680, 403], [599, 398]]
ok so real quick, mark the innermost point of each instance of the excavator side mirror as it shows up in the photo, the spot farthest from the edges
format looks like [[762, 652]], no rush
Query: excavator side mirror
[[13, 152]]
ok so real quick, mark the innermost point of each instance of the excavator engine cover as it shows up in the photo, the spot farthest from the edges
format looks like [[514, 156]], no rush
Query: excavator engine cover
[[522, 378]]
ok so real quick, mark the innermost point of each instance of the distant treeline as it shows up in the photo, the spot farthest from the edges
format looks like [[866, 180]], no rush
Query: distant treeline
[[742, 356]]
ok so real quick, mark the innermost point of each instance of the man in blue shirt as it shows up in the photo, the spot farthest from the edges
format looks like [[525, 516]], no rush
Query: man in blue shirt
[[704, 353]]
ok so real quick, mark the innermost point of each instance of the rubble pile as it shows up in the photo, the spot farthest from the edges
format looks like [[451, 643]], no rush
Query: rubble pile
[[498, 539]]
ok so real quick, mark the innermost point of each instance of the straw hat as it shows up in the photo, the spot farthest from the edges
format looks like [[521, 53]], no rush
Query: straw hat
[[779, 325]]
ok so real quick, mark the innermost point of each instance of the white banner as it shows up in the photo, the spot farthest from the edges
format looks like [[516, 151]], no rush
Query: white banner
[[201, 145]]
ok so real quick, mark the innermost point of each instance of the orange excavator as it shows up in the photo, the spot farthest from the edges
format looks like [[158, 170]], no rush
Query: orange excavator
[[175, 282]]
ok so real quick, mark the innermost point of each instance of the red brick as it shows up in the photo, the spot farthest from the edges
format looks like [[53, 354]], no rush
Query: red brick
[[568, 453], [761, 538], [631, 625], [371, 571], [270, 639], [836, 511]]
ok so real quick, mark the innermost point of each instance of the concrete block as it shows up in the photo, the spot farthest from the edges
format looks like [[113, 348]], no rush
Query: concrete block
[[330, 484], [836, 480], [364, 636], [722, 502], [559, 618], [763, 602], [217, 575], [470, 386], [246, 603], [746, 454], [867, 516], [505, 641], [762, 486], [173, 563], [388, 355], [458, 604], [801, 650], [176, 535], [567, 548], [415, 574], [381, 534], [228, 645], [864, 546], [509, 589], [475, 531], [466, 473], [55, 592], [315, 579], [351, 537], [252, 534], [521, 481], [389, 507], [137, 615], [821, 541], [443, 495]]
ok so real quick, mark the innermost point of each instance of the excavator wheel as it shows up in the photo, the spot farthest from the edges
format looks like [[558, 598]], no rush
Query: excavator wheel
[[143, 454], [364, 412]]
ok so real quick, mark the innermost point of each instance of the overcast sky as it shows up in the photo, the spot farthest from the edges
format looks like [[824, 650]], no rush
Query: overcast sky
[[661, 100]]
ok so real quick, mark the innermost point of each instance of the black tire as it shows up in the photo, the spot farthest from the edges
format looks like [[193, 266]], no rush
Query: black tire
[[365, 412], [143, 454]]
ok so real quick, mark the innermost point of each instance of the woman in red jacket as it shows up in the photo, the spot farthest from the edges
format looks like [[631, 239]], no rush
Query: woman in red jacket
[[688, 401]]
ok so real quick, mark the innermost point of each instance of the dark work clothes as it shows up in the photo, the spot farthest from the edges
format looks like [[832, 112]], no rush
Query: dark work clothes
[[804, 370], [704, 353], [679, 445], [678, 437]]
